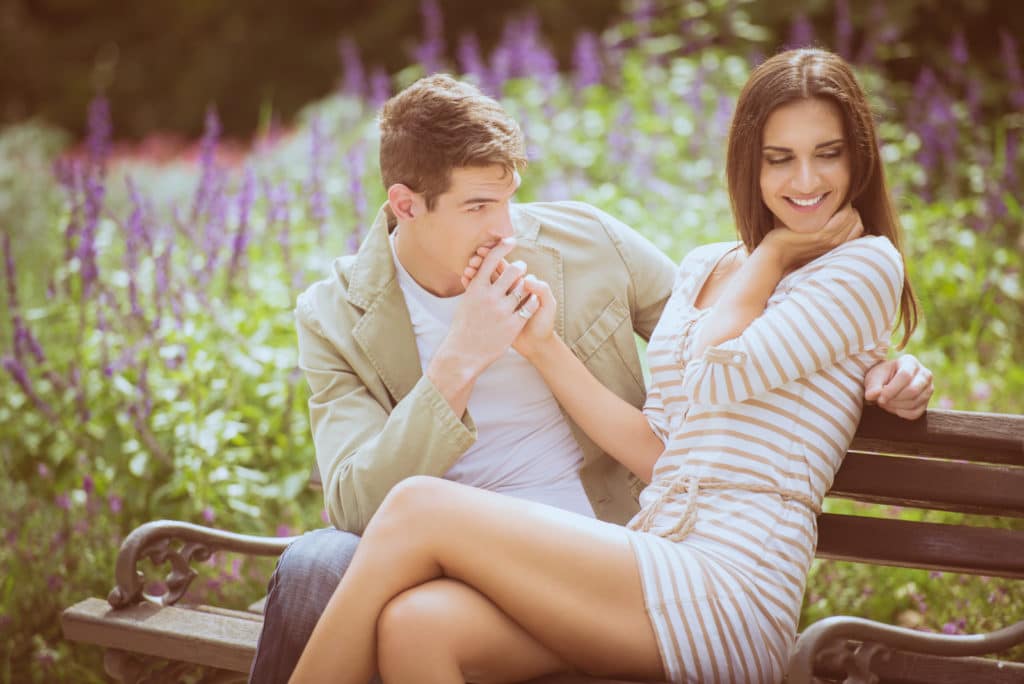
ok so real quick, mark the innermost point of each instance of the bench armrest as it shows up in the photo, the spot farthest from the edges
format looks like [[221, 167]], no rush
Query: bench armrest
[[825, 643], [153, 540]]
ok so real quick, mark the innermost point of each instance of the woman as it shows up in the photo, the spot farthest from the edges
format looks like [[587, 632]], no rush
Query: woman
[[757, 369]]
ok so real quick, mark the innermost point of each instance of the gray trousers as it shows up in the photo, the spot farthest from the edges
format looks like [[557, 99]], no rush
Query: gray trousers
[[305, 578]]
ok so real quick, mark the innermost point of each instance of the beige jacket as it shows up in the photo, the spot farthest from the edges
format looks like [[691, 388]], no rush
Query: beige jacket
[[377, 420]]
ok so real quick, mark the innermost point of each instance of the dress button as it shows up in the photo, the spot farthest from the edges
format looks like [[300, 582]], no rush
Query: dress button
[[737, 358]]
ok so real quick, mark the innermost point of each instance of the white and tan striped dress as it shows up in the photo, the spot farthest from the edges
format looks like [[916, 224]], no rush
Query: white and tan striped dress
[[754, 430]]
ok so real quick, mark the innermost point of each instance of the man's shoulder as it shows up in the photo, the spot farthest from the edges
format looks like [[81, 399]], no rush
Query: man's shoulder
[[328, 293], [564, 212]]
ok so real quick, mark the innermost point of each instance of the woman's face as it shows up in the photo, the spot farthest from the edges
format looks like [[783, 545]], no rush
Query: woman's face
[[805, 164]]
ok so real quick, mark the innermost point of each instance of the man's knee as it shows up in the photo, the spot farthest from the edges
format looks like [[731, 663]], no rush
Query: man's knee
[[305, 578]]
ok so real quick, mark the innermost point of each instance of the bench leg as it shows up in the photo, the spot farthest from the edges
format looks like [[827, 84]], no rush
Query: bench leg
[[130, 668]]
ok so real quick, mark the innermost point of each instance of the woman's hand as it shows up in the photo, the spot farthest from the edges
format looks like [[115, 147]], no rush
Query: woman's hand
[[538, 305], [795, 249]]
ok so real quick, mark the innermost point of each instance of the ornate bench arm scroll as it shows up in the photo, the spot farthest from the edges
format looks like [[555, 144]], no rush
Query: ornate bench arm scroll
[[153, 540], [826, 640]]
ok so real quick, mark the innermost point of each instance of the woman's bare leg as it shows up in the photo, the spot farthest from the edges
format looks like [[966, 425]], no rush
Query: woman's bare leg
[[444, 631], [570, 582]]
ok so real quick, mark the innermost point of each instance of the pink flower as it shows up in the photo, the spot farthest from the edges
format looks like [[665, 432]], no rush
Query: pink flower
[[325, 517], [43, 470], [284, 530], [945, 403], [981, 391], [63, 501], [208, 515], [114, 501]]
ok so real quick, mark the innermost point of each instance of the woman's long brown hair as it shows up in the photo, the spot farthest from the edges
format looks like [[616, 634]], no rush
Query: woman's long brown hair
[[798, 75]]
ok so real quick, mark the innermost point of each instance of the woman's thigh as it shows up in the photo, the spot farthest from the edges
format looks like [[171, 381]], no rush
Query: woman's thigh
[[569, 581]]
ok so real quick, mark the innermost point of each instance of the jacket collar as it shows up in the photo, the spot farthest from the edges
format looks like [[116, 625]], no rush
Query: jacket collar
[[385, 331]]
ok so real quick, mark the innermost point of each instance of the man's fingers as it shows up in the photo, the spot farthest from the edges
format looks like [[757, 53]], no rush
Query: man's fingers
[[509, 275], [492, 261]]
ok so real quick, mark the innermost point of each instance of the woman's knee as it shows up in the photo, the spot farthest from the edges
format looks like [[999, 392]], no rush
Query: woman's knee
[[411, 500]]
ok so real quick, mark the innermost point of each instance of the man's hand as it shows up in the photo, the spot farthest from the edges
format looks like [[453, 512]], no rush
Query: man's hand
[[900, 386]]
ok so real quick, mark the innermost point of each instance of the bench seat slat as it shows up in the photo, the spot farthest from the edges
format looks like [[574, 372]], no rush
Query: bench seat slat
[[212, 637], [930, 483], [931, 546]]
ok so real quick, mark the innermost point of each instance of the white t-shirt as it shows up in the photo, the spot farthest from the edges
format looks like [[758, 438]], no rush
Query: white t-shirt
[[524, 447]]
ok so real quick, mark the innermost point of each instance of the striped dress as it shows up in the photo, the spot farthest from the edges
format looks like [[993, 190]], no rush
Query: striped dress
[[754, 432]]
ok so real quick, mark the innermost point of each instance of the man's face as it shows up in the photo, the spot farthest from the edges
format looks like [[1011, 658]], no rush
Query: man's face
[[436, 245]]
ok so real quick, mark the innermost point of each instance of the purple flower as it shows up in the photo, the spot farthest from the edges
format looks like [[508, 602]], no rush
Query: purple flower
[[10, 273], [114, 503], [43, 471], [430, 52], [283, 530], [586, 60], [500, 70], [207, 163], [20, 375], [246, 197], [99, 130], [1011, 58], [354, 79], [380, 87], [63, 502], [88, 484], [801, 32], [315, 187], [355, 161], [471, 61], [208, 515], [844, 29], [958, 49]]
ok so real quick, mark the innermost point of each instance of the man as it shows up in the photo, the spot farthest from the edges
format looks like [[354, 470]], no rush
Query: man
[[411, 373]]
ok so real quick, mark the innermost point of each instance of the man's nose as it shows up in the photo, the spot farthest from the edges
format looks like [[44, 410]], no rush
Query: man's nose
[[503, 228]]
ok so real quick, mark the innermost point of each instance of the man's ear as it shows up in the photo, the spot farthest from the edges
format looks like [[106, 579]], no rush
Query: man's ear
[[405, 204]]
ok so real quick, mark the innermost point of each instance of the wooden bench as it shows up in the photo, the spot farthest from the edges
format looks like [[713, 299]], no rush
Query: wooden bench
[[947, 461]]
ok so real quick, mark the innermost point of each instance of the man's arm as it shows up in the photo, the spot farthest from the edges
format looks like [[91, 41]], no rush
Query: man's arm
[[362, 449], [901, 386]]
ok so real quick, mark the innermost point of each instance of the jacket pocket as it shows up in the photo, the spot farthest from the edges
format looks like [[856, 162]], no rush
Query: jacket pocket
[[607, 322]]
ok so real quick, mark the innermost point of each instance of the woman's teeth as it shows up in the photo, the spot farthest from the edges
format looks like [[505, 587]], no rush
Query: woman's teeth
[[806, 202]]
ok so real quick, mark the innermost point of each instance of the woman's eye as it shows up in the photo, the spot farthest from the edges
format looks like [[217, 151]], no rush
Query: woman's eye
[[477, 208], [831, 154], [775, 161]]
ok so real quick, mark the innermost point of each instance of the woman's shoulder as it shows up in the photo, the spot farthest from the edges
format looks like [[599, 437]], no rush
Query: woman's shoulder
[[870, 258], [706, 254], [877, 245]]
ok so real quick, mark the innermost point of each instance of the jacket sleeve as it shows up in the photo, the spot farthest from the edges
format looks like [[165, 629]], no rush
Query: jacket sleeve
[[845, 305], [651, 273], [362, 448]]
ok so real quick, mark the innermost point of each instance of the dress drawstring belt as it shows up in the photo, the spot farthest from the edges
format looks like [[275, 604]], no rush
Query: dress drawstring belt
[[692, 486]]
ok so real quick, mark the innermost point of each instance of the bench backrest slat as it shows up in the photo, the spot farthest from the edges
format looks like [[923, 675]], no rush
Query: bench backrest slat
[[931, 483], [969, 436], [932, 546]]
